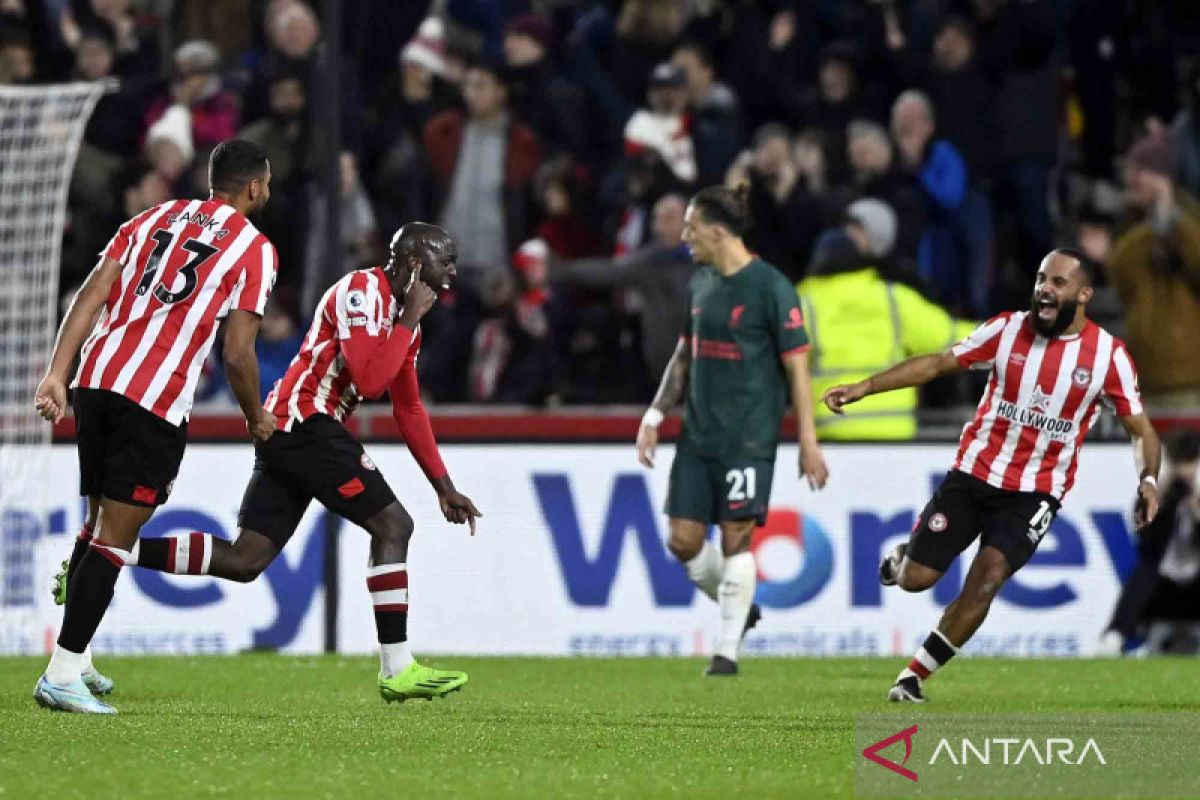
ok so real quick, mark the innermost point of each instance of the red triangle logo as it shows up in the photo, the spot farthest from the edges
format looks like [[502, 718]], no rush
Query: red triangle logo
[[872, 752]]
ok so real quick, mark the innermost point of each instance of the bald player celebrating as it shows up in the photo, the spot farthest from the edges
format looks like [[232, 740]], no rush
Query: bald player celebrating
[[363, 341]]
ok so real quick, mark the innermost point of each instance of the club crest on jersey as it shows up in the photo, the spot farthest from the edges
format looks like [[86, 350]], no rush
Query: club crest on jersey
[[356, 302], [735, 316], [1082, 376], [938, 522], [1017, 358], [367, 462]]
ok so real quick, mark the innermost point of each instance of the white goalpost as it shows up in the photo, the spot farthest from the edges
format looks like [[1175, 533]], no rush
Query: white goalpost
[[41, 128]]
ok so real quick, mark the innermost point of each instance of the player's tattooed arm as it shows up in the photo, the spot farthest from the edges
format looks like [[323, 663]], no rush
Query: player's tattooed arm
[[50, 399], [670, 394], [674, 380], [1147, 455], [914, 371]]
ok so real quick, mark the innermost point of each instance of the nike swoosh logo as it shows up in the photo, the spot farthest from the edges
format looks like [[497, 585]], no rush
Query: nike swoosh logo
[[736, 506]]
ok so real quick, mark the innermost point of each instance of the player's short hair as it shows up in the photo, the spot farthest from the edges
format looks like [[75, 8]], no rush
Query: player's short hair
[[720, 205], [235, 163], [1086, 265]]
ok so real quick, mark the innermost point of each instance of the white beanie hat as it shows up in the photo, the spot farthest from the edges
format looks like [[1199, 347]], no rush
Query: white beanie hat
[[879, 221], [175, 126], [428, 47]]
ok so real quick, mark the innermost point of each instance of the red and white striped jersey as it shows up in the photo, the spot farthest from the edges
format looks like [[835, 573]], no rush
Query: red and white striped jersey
[[1041, 399], [318, 381], [184, 265]]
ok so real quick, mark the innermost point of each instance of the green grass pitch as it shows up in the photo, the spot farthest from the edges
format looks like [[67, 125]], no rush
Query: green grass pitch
[[266, 726]]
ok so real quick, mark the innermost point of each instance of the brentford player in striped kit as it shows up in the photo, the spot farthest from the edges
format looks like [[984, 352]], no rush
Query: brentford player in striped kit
[[363, 342], [1051, 369], [149, 313]]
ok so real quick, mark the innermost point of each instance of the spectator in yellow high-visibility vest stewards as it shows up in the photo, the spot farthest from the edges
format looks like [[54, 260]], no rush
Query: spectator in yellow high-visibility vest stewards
[[860, 322]]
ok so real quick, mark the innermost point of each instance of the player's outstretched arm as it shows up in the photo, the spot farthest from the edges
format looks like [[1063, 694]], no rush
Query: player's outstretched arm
[[910, 372], [812, 461], [241, 370], [670, 394], [50, 399], [1147, 456]]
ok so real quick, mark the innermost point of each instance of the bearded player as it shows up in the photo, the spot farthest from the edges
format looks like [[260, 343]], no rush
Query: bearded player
[[743, 352], [1051, 368], [363, 341]]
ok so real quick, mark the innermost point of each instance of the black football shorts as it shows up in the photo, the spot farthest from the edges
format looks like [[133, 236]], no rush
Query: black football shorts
[[964, 508], [126, 453], [317, 458]]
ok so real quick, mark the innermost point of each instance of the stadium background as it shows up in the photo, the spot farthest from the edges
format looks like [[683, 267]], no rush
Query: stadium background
[[536, 379]]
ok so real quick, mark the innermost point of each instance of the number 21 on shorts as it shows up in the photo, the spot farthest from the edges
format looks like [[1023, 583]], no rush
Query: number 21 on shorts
[[742, 483]]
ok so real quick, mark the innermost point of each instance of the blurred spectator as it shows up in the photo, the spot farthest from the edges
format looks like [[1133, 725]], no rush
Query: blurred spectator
[[839, 97], [1017, 48], [169, 148], [713, 120], [283, 134], [292, 30], [115, 124], [954, 249], [279, 337], [229, 24], [16, 57], [136, 46], [787, 215], [659, 271], [559, 194], [513, 359], [1187, 134], [1155, 266], [1094, 235], [483, 163], [874, 173], [662, 127], [393, 161], [1097, 52], [771, 49], [1165, 584], [963, 96], [286, 137], [646, 31], [195, 89], [861, 319], [553, 107], [361, 245], [120, 194]]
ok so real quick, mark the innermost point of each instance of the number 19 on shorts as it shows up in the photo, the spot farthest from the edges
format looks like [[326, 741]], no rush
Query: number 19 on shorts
[[742, 483]]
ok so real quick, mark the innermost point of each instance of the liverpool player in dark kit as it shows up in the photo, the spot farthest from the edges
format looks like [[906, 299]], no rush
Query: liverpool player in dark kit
[[743, 352]]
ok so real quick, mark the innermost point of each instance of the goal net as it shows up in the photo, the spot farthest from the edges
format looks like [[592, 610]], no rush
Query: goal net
[[40, 131]]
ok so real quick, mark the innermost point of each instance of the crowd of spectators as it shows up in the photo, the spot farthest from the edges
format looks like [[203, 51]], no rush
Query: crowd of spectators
[[558, 141]]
